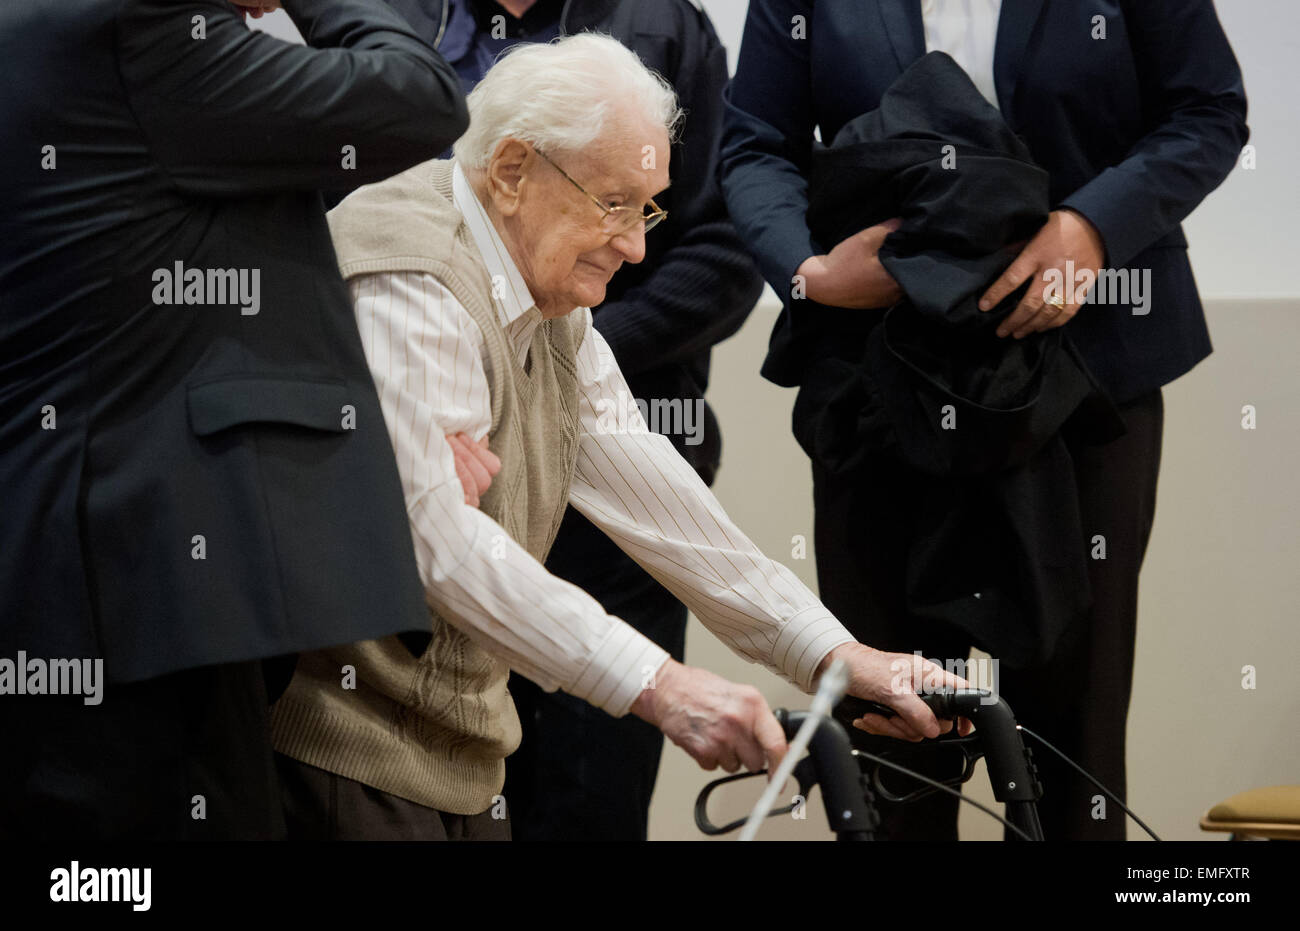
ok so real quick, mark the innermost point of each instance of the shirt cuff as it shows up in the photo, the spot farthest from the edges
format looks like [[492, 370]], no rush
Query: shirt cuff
[[804, 641], [623, 667]]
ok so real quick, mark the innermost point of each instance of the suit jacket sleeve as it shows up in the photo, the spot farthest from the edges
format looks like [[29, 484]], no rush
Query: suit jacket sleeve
[[767, 139], [1191, 85], [705, 283], [238, 112]]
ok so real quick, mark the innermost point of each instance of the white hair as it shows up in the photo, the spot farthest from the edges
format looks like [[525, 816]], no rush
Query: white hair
[[560, 95]]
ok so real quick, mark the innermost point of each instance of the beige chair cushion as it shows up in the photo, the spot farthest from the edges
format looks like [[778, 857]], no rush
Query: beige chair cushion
[[1270, 812]]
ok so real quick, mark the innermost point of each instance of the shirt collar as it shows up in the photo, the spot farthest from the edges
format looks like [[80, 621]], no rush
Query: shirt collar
[[509, 292]]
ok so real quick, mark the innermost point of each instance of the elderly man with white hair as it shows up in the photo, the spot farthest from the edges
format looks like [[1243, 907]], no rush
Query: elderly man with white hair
[[472, 279]]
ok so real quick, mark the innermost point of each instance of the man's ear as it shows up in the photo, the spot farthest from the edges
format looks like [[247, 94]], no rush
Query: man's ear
[[505, 175]]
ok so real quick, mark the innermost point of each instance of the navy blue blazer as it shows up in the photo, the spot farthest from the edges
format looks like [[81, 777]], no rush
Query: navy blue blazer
[[1135, 129]]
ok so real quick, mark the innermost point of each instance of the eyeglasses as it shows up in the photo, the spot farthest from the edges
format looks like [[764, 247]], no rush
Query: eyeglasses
[[616, 220]]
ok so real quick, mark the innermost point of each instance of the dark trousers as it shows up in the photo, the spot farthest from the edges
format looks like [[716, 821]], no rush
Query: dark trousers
[[323, 806], [185, 756], [1079, 701], [580, 774]]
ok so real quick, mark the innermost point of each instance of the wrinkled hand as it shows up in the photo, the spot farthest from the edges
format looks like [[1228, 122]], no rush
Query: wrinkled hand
[[475, 465], [1066, 236], [894, 679], [851, 275], [719, 723]]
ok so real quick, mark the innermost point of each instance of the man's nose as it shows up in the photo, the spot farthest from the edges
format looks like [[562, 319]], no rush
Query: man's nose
[[631, 244]]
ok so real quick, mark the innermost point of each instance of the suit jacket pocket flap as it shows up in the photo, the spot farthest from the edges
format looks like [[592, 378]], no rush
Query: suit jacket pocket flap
[[218, 405]]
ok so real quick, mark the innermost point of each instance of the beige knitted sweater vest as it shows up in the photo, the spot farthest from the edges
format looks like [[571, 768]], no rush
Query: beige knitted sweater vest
[[436, 729]]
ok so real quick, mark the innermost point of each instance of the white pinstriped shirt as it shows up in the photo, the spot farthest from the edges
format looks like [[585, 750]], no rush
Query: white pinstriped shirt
[[426, 354]]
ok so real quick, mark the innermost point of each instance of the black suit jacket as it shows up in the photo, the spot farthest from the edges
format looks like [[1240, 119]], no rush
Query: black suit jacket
[[193, 484], [1135, 130]]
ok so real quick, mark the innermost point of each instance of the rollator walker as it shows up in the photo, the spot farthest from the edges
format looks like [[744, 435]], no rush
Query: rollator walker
[[850, 779]]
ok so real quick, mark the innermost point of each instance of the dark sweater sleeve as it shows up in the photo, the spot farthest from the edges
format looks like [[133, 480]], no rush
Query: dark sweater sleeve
[[229, 111], [1191, 84], [704, 283], [767, 140]]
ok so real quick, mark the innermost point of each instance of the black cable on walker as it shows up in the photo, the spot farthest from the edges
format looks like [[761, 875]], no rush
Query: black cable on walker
[[1089, 776]]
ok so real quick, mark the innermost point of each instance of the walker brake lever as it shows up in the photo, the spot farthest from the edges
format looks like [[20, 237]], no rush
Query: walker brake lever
[[969, 746], [945, 703], [1010, 765], [804, 774]]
